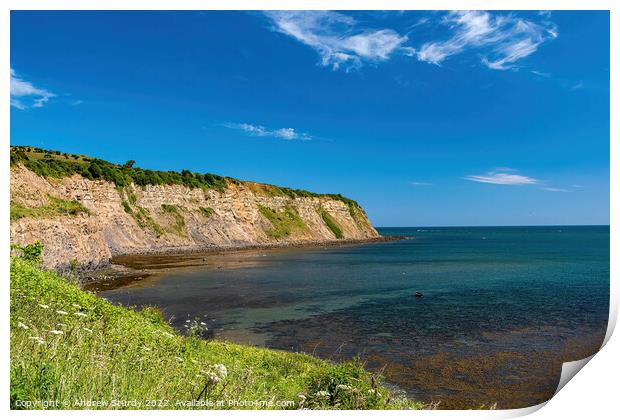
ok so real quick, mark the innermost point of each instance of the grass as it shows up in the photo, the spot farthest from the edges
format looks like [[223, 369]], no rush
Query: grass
[[145, 221], [142, 217], [331, 224], [55, 207], [68, 345], [283, 223], [179, 220]]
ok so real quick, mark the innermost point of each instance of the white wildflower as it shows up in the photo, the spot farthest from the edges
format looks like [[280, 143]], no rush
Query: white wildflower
[[61, 325], [220, 370], [87, 329], [75, 305], [178, 359], [62, 312], [82, 314], [212, 377], [39, 340], [216, 373], [22, 325], [56, 332], [343, 387], [322, 394], [44, 306]]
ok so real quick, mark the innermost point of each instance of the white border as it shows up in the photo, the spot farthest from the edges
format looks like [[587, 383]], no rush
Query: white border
[[592, 395]]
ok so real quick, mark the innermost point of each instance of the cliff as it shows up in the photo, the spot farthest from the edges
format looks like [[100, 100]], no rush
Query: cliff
[[84, 219]]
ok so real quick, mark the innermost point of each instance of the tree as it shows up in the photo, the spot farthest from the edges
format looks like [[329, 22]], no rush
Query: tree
[[130, 163]]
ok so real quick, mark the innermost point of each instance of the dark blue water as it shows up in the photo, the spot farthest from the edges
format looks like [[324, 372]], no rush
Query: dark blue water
[[502, 307]]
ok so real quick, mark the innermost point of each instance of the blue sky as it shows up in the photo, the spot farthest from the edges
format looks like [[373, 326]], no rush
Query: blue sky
[[425, 118]]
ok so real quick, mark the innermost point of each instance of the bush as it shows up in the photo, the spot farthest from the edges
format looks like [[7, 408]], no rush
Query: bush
[[55, 165], [31, 253]]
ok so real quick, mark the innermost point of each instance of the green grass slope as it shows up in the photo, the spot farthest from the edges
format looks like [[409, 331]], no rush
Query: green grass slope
[[71, 349]]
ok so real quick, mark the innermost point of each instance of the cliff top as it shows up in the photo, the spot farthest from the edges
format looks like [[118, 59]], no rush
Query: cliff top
[[56, 164]]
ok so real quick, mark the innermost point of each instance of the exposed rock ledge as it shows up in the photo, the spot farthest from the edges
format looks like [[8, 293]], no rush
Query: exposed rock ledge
[[168, 218]]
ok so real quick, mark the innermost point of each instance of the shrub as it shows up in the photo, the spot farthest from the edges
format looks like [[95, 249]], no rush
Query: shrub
[[31, 253], [56, 165]]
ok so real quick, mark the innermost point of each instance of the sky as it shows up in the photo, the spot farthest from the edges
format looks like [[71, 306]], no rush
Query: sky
[[431, 118]]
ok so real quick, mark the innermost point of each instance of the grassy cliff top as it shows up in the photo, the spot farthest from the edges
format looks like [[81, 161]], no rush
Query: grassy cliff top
[[69, 345], [55, 164]]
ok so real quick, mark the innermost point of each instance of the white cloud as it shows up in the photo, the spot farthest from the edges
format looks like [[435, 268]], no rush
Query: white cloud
[[420, 184], [22, 90], [338, 38], [577, 86], [503, 39], [502, 178], [541, 74], [552, 189], [261, 131]]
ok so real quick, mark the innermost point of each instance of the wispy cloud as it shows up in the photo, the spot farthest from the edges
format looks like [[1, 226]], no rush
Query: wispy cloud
[[501, 39], [25, 95], [339, 39], [261, 131], [421, 184], [343, 42], [503, 178], [577, 86], [541, 74], [552, 189]]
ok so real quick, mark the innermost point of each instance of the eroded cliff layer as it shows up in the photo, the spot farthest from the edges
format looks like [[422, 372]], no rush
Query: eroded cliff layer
[[85, 222]]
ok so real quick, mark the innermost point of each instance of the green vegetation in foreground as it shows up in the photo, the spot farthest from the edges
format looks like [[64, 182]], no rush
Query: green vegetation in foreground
[[55, 207], [55, 164], [69, 345], [284, 223], [331, 224]]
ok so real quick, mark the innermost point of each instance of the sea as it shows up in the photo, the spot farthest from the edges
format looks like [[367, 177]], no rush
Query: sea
[[501, 308]]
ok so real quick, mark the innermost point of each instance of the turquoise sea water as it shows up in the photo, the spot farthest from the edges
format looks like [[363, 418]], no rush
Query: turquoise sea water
[[502, 307]]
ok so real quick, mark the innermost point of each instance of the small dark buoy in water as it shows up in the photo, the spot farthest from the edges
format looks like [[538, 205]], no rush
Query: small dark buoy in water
[[418, 294]]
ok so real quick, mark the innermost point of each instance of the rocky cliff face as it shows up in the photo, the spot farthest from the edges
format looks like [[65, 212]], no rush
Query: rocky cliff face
[[167, 218]]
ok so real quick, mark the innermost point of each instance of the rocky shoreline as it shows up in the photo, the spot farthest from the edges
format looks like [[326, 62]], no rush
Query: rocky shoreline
[[131, 268]]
